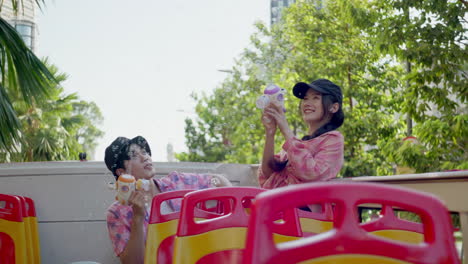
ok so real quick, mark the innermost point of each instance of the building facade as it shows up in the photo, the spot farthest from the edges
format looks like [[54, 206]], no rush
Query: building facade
[[23, 20], [276, 6]]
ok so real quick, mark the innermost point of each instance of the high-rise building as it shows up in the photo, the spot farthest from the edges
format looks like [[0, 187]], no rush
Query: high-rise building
[[23, 20], [276, 6]]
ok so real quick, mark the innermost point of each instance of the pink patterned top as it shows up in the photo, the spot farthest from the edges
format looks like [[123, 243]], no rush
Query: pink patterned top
[[318, 159], [119, 217]]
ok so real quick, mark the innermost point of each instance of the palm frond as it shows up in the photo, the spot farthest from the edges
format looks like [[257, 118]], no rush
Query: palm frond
[[21, 71], [15, 4], [9, 123]]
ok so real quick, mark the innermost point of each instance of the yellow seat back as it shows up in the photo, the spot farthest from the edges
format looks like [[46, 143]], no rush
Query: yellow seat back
[[354, 259], [31, 220], [13, 245], [162, 229], [222, 239]]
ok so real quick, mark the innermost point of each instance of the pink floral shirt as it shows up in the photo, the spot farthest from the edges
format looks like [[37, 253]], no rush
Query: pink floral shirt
[[119, 217], [318, 159]]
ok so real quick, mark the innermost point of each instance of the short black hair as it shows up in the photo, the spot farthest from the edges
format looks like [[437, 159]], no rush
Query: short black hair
[[117, 152]]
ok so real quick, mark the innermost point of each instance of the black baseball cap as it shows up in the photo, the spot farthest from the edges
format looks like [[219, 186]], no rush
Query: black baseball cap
[[322, 86], [117, 152]]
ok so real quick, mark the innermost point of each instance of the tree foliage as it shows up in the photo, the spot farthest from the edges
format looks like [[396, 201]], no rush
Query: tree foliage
[[393, 59], [430, 37], [55, 128], [20, 71], [38, 121]]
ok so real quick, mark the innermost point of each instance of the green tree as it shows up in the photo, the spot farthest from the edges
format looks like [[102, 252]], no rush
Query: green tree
[[429, 38], [347, 42], [311, 43], [334, 45], [219, 133], [21, 73], [57, 128], [86, 116]]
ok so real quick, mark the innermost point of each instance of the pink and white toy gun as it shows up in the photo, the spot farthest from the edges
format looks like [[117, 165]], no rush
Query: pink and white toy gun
[[271, 93], [126, 184]]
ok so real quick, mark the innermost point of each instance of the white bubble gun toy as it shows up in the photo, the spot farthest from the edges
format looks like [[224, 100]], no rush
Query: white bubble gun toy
[[271, 93], [125, 186]]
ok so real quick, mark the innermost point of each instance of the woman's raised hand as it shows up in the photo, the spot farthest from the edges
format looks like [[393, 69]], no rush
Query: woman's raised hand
[[274, 110], [269, 122]]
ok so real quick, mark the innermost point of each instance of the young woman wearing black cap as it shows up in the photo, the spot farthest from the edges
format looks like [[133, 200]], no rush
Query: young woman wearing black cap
[[318, 156]]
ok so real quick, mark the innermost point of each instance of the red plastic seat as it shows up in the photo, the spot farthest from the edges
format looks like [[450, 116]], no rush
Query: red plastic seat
[[220, 207], [13, 246], [392, 227], [348, 242], [162, 229], [313, 223], [31, 219], [27, 230], [387, 225], [222, 239]]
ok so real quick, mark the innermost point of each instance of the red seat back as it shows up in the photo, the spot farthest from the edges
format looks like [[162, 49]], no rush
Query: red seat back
[[162, 229], [13, 246], [313, 223], [348, 241], [31, 219], [390, 226], [220, 239]]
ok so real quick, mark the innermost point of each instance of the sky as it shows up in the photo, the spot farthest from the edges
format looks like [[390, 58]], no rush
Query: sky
[[140, 60]]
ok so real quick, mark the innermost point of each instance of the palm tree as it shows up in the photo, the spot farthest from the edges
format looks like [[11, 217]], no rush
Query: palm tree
[[58, 128], [21, 72], [43, 135]]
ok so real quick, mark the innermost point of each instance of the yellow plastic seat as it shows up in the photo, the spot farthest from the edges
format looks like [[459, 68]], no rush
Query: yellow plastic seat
[[162, 229], [13, 246], [391, 227], [31, 221], [313, 223], [221, 239]]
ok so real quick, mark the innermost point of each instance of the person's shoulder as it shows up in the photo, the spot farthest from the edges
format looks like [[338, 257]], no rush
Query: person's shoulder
[[333, 134], [191, 178], [330, 138], [183, 175], [116, 209], [173, 178], [114, 206], [173, 175], [168, 178]]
